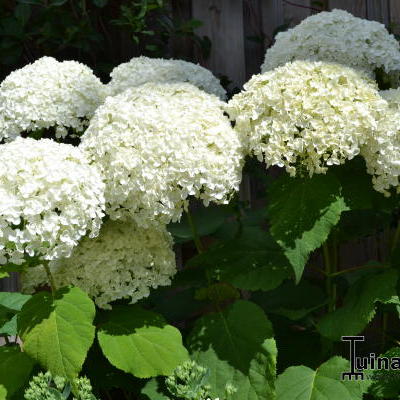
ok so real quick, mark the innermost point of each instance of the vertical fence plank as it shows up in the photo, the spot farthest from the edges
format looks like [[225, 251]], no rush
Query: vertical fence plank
[[10, 284], [272, 18], [356, 7], [181, 46], [223, 24], [297, 10], [378, 10], [394, 11], [253, 36]]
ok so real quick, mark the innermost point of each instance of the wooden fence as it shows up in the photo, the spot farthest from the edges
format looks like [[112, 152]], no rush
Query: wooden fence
[[241, 30]]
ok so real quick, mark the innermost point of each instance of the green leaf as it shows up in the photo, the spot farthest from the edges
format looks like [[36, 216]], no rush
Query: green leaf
[[57, 3], [302, 213], [152, 47], [12, 27], [10, 304], [34, 2], [290, 300], [176, 304], [207, 221], [218, 293], [3, 393], [22, 12], [6, 269], [58, 332], [357, 189], [237, 346], [253, 261], [299, 342], [303, 383], [356, 224], [15, 369], [153, 390], [100, 3], [140, 342], [10, 327], [13, 300], [386, 383], [249, 218], [359, 305], [103, 375], [55, 394], [5, 315]]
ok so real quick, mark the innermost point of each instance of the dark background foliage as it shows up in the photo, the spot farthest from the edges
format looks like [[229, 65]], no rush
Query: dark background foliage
[[99, 33]]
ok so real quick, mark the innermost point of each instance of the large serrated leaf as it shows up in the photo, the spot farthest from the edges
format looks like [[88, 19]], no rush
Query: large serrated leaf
[[302, 213], [13, 300], [58, 332], [254, 261], [303, 383], [3, 393], [386, 383], [237, 346], [140, 342], [207, 221], [357, 189], [359, 305], [10, 304], [153, 391], [15, 368], [290, 300]]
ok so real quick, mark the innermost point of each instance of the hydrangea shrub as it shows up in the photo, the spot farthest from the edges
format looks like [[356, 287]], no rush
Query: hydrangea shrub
[[148, 274]]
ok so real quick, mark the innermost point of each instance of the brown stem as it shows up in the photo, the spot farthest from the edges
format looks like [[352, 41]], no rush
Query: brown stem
[[345, 271], [301, 6], [50, 278]]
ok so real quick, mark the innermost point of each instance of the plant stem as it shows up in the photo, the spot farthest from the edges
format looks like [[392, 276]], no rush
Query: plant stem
[[200, 249], [317, 269], [396, 238], [50, 278], [301, 6], [196, 237], [108, 395], [345, 271]]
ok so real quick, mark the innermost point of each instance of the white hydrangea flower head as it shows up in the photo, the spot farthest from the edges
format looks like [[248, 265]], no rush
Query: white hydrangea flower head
[[140, 70], [306, 116], [382, 151], [157, 144], [336, 36], [46, 94], [50, 197], [392, 96], [123, 262]]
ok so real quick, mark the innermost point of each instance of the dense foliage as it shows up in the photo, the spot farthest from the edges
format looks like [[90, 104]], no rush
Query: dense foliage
[[99, 33], [146, 274]]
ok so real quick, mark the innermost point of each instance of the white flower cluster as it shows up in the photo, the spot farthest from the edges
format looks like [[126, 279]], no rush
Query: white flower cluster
[[336, 36], [124, 261], [307, 115], [48, 93], [140, 70], [156, 145], [382, 151], [50, 197], [392, 96]]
